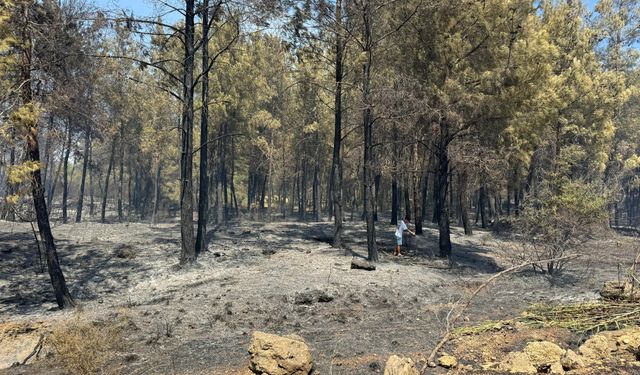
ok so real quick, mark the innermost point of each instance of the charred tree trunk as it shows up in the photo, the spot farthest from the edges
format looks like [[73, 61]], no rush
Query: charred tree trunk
[[336, 163], [121, 175], [156, 194], [187, 251], [442, 207], [65, 175], [201, 244], [63, 297], [368, 198], [482, 201], [105, 194], [91, 202], [464, 202], [85, 164], [315, 195]]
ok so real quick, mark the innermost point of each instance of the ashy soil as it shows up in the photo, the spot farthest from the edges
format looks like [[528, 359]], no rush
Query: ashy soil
[[278, 277]]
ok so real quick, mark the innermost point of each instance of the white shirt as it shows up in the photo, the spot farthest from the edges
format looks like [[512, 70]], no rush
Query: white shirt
[[401, 227]]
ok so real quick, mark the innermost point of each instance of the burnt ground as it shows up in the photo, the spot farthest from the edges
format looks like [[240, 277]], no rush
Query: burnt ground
[[283, 278]]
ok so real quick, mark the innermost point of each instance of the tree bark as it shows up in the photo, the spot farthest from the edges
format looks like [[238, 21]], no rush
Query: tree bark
[[442, 207], [156, 194], [121, 175], [85, 163], [91, 202], [368, 198], [203, 203], [63, 297], [65, 175], [187, 251], [105, 193], [464, 202], [336, 162], [482, 201]]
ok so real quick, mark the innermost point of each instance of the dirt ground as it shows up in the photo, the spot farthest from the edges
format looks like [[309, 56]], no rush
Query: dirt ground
[[283, 278]]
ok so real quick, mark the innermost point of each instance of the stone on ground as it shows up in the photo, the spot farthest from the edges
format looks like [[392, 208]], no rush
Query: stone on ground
[[596, 348], [277, 355], [517, 362], [400, 366], [447, 361], [571, 360], [542, 354], [16, 343], [362, 264]]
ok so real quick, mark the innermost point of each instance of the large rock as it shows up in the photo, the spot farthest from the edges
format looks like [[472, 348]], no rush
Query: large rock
[[277, 355], [542, 354], [628, 340], [596, 348], [571, 360], [517, 362], [16, 343], [400, 366]]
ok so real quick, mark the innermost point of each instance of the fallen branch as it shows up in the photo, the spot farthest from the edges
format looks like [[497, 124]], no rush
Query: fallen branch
[[447, 335], [35, 350]]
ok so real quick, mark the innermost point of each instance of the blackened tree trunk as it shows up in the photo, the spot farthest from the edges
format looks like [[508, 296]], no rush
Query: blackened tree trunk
[[105, 193], [91, 202], [464, 202], [368, 194], [187, 252], [203, 203], [121, 175], [482, 202], [156, 194], [418, 180], [85, 163], [376, 203], [315, 195], [336, 163], [407, 198], [52, 184], [394, 199], [63, 297], [65, 175], [442, 206]]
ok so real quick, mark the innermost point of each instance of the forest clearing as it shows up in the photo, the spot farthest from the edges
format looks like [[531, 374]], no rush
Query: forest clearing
[[288, 187]]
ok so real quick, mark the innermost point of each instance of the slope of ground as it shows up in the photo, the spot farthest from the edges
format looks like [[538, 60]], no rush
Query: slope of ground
[[279, 277]]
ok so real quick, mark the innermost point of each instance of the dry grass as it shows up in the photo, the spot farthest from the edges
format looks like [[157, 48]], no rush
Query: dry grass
[[88, 347]]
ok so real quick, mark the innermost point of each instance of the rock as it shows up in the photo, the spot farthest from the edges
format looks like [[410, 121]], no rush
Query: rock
[[324, 297], [16, 346], [125, 251], [362, 264], [400, 366], [304, 298], [517, 362], [268, 251], [556, 368], [629, 340], [620, 290], [571, 360], [447, 361], [596, 348], [277, 355], [309, 297], [542, 354]]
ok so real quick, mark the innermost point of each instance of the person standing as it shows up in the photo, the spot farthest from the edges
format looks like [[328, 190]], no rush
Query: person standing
[[402, 226]]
